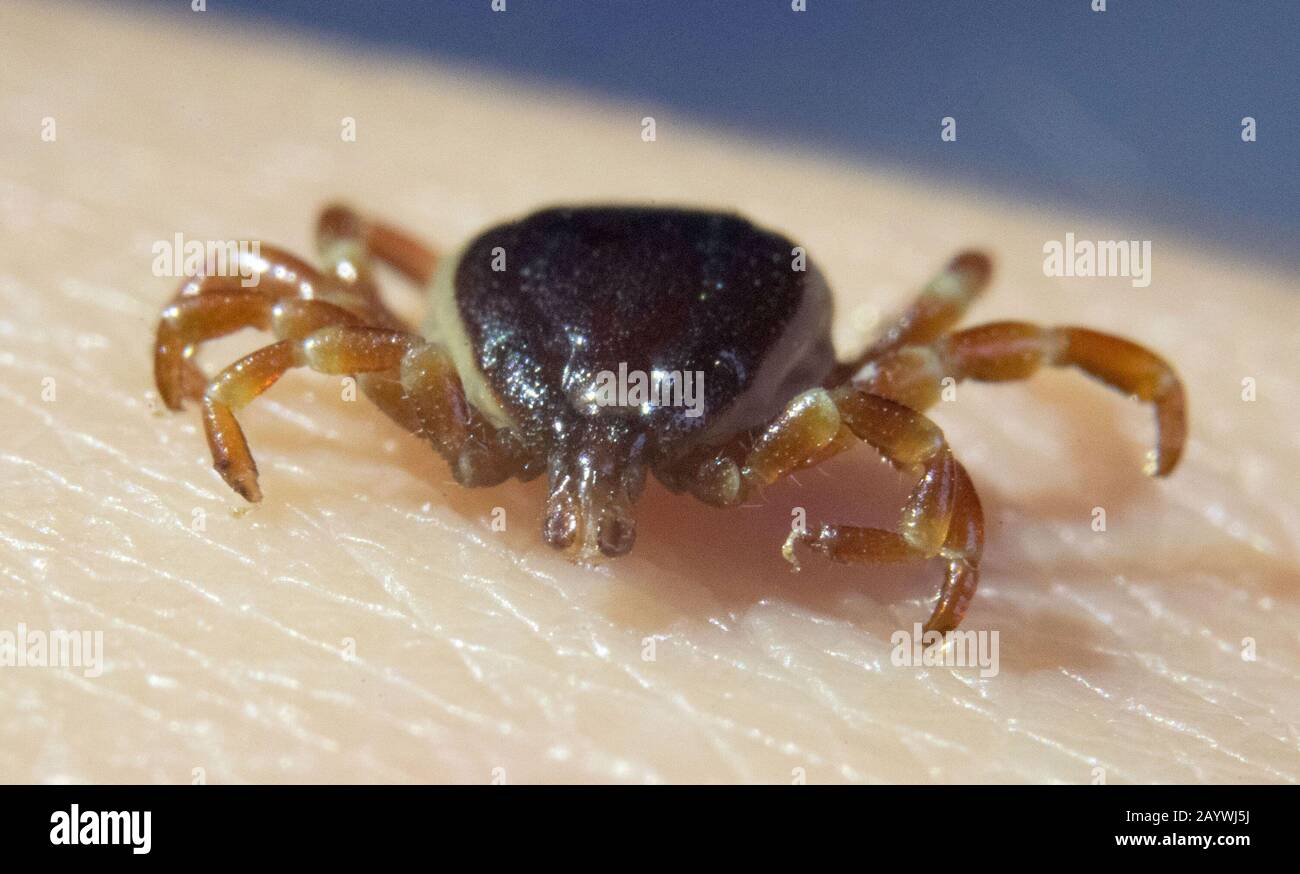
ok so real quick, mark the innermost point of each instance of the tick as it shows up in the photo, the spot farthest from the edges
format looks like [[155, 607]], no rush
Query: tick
[[529, 321]]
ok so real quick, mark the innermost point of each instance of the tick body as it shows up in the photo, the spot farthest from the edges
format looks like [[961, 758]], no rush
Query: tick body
[[535, 328]]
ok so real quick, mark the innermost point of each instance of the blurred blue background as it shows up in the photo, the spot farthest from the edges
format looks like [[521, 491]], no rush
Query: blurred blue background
[[1135, 111]]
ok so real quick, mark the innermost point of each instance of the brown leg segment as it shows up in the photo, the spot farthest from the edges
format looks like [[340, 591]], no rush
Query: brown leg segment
[[942, 515], [220, 308], [428, 397], [1004, 351], [348, 241], [193, 319], [479, 453], [941, 304], [348, 244], [338, 349], [279, 275], [296, 301]]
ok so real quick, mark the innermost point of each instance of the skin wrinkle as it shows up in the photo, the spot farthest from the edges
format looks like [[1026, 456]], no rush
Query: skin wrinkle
[[478, 649]]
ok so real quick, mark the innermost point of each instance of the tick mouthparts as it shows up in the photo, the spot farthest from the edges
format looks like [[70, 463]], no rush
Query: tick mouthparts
[[595, 478]]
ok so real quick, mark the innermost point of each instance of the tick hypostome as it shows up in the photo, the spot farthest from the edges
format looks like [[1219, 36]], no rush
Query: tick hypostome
[[597, 344]]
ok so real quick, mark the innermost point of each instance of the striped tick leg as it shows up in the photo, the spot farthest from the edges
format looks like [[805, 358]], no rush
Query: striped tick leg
[[349, 244], [331, 339], [334, 349], [207, 307], [942, 515], [1003, 351], [426, 394], [940, 306]]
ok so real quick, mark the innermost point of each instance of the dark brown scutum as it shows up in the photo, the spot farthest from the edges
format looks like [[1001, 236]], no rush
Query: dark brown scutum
[[592, 290], [585, 290]]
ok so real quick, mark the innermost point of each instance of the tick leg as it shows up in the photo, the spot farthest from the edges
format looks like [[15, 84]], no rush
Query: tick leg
[[941, 304], [433, 406], [270, 270], [271, 273], [961, 549], [194, 319], [338, 349], [479, 454], [1004, 351], [175, 374], [941, 517], [348, 243]]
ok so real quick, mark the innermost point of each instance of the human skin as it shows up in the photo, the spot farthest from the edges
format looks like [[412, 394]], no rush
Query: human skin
[[367, 622]]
